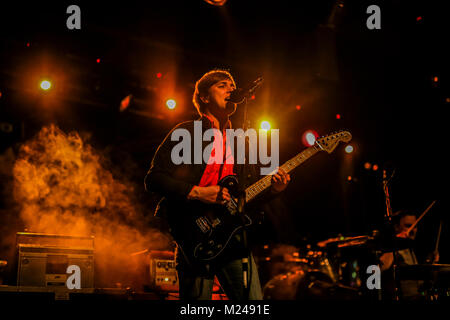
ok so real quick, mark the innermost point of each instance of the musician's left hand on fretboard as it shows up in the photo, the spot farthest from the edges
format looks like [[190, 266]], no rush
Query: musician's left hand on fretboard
[[280, 180]]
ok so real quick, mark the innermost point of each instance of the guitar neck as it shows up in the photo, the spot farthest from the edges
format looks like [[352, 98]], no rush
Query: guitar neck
[[252, 191]]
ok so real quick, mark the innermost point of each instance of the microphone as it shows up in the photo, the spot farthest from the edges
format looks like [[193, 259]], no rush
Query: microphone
[[238, 95]]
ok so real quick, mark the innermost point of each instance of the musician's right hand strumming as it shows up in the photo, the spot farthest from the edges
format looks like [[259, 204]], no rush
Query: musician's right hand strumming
[[211, 194]]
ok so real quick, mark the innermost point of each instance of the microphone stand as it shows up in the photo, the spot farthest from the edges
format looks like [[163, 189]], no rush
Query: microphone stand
[[241, 212], [246, 264]]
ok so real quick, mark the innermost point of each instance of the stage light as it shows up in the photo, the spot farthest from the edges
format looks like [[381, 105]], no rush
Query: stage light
[[375, 167], [217, 3], [419, 18], [265, 125], [349, 149], [309, 138], [367, 166], [349, 178], [338, 116], [435, 79], [171, 104], [28, 44], [447, 100], [298, 107], [98, 60], [159, 75], [45, 85], [125, 103]]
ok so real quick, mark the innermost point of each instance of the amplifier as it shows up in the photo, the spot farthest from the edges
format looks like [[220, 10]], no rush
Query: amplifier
[[43, 260], [163, 274]]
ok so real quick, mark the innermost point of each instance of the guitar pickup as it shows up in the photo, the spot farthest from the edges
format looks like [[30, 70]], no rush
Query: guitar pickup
[[203, 224]]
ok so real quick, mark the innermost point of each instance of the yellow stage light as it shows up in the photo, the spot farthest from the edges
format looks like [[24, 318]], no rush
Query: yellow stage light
[[265, 125], [45, 85]]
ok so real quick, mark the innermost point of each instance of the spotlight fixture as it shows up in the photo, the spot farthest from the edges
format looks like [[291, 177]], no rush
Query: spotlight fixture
[[216, 3]]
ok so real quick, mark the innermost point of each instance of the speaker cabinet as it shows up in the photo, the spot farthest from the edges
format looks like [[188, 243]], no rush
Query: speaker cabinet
[[43, 260]]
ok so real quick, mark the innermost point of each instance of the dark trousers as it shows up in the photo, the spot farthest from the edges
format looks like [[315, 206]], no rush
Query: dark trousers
[[197, 284]]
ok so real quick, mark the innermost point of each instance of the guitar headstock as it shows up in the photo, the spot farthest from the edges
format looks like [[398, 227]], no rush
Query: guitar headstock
[[331, 141]]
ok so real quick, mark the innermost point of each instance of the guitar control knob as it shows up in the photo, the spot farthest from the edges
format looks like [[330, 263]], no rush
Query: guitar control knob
[[219, 246], [210, 253], [211, 242], [200, 248]]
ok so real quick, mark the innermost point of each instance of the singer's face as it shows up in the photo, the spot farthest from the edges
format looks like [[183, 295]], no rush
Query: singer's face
[[218, 92]]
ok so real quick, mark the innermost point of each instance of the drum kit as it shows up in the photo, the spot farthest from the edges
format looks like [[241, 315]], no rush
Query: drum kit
[[348, 268], [336, 269]]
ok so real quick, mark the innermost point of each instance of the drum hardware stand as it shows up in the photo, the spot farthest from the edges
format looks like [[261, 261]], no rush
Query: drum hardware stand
[[438, 239], [389, 223], [434, 295]]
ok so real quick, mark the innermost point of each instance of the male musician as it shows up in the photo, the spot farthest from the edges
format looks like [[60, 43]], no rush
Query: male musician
[[403, 221], [184, 183]]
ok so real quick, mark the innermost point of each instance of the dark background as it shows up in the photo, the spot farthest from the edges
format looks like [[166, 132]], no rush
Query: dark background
[[315, 54]]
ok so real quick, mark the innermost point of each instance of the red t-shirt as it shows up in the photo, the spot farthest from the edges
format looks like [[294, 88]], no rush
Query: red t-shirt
[[216, 169]]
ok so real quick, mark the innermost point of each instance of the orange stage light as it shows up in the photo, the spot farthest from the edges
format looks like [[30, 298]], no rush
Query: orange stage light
[[367, 166], [375, 167], [216, 2], [125, 103]]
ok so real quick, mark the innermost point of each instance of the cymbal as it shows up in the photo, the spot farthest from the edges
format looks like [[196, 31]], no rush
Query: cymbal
[[423, 271], [344, 241]]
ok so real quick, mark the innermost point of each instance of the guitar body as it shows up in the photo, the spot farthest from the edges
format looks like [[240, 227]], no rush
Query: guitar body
[[206, 230]]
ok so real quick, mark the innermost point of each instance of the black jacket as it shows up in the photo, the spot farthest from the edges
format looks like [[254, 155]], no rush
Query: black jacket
[[174, 182]]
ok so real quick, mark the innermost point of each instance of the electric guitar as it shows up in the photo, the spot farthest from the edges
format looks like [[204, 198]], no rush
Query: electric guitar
[[205, 233]]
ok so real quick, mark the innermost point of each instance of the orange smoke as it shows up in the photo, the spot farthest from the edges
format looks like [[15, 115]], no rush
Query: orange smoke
[[62, 188]]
